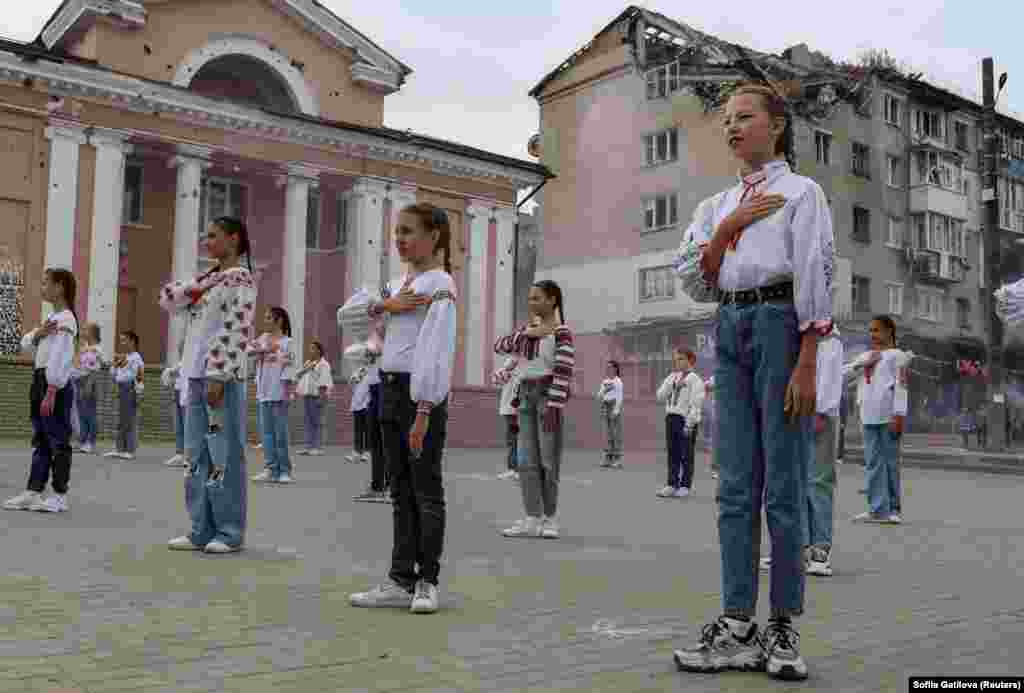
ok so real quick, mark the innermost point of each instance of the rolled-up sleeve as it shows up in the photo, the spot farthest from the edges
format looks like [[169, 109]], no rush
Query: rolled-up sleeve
[[813, 260]]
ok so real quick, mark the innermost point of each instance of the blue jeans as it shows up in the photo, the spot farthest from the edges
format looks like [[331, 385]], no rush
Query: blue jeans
[[895, 487], [259, 422], [761, 454], [87, 422], [314, 407], [179, 425], [821, 487], [881, 452], [540, 451], [215, 483], [275, 438]]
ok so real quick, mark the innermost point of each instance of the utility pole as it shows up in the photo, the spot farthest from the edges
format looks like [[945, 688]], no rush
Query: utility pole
[[993, 254]]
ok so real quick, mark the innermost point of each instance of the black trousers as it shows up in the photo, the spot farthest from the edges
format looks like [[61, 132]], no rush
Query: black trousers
[[375, 442], [417, 489], [359, 441], [680, 451], [51, 437]]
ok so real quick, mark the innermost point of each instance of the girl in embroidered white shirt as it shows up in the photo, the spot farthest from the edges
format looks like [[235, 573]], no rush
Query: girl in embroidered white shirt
[[314, 385], [610, 395], [51, 397], [274, 353], [416, 371], [683, 394], [127, 367], [765, 247], [220, 304]]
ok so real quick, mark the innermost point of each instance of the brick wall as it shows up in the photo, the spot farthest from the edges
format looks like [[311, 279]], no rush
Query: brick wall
[[473, 414]]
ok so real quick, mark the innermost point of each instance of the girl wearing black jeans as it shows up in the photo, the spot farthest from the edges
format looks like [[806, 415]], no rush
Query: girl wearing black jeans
[[416, 370]]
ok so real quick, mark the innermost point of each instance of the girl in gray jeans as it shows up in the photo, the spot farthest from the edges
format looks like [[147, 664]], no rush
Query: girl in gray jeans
[[547, 346], [610, 396]]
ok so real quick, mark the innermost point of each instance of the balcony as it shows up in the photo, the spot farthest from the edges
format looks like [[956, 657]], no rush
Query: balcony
[[932, 198], [1012, 220], [938, 268]]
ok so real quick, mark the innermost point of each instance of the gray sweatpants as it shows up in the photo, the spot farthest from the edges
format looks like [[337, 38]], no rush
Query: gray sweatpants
[[540, 452]]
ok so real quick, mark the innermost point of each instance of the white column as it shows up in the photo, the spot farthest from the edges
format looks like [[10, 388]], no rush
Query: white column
[[62, 195], [108, 203], [504, 270], [401, 196], [473, 301], [297, 183], [191, 161], [365, 205]]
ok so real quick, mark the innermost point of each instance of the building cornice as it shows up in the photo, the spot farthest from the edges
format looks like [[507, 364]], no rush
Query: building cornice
[[151, 98], [74, 12]]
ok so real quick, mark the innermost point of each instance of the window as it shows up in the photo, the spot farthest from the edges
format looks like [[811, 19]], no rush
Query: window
[[221, 198], [960, 135], [861, 160], [895, 294], [341, 222], [662, 147], [893, 109], [823, 145], [963, 313], [893, 167], [132, 209], [861, 224], [313, 219], [861, 294], [928, 124], [663, 81], [894, 238], [929, 306], [657, 283], [661, 211]]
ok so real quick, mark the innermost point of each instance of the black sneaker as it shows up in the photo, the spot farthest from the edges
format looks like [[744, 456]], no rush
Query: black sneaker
[[720, 648], [782, 649]]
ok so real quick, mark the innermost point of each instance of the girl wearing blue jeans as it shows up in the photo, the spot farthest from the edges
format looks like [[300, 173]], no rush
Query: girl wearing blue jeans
[[90, 360], [220, 305], [128, 367], [774, 285], [273, 351]]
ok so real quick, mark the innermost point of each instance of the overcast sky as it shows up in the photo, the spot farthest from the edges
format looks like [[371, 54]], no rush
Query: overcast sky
[[473, 66]]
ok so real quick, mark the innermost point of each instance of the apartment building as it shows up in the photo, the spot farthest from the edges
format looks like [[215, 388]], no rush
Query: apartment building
[[629, 125]]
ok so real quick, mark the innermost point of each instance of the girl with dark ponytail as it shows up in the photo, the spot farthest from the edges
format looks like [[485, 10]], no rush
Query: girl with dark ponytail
[[275, 358], [416, 371], [547, 347], [219, 305], [51, 397]]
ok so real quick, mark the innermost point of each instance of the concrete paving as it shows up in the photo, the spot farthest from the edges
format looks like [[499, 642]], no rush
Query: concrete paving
[[92, 601]]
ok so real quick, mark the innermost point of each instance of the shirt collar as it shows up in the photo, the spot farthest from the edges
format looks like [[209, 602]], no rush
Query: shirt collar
[[767, 173]]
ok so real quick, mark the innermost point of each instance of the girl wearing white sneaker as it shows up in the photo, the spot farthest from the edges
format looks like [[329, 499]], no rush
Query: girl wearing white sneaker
[[416, 371], [221, 305], [683, 394], [128, 366], [273, 351], [359, 407], [51, 397], [90, 360], [610, 394], [547, 347], [314, 384]]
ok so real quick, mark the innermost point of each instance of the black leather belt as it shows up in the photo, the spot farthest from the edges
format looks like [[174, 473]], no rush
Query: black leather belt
[[761, 294], [394, 378]]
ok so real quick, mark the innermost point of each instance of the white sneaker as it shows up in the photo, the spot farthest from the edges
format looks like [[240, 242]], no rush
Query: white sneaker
[[549, 528], [714, 475], [425, 600], [507, 474], [285, 479], [766, 563], [22, 501], [182, 544], [353, 458], [819, 562], [666, 492], [127, 456], [265, 475], [365, 459], [217, 546], [388, 595], [57, 503], [175, 461], [530, 527], [257, 446], [86, 449], [870, 518], [316, 452], [681, 492], [112, 454], [895, 519], [303, 451]]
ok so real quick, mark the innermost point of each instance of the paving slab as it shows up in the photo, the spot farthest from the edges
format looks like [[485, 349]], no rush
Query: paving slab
[[91, 601]]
